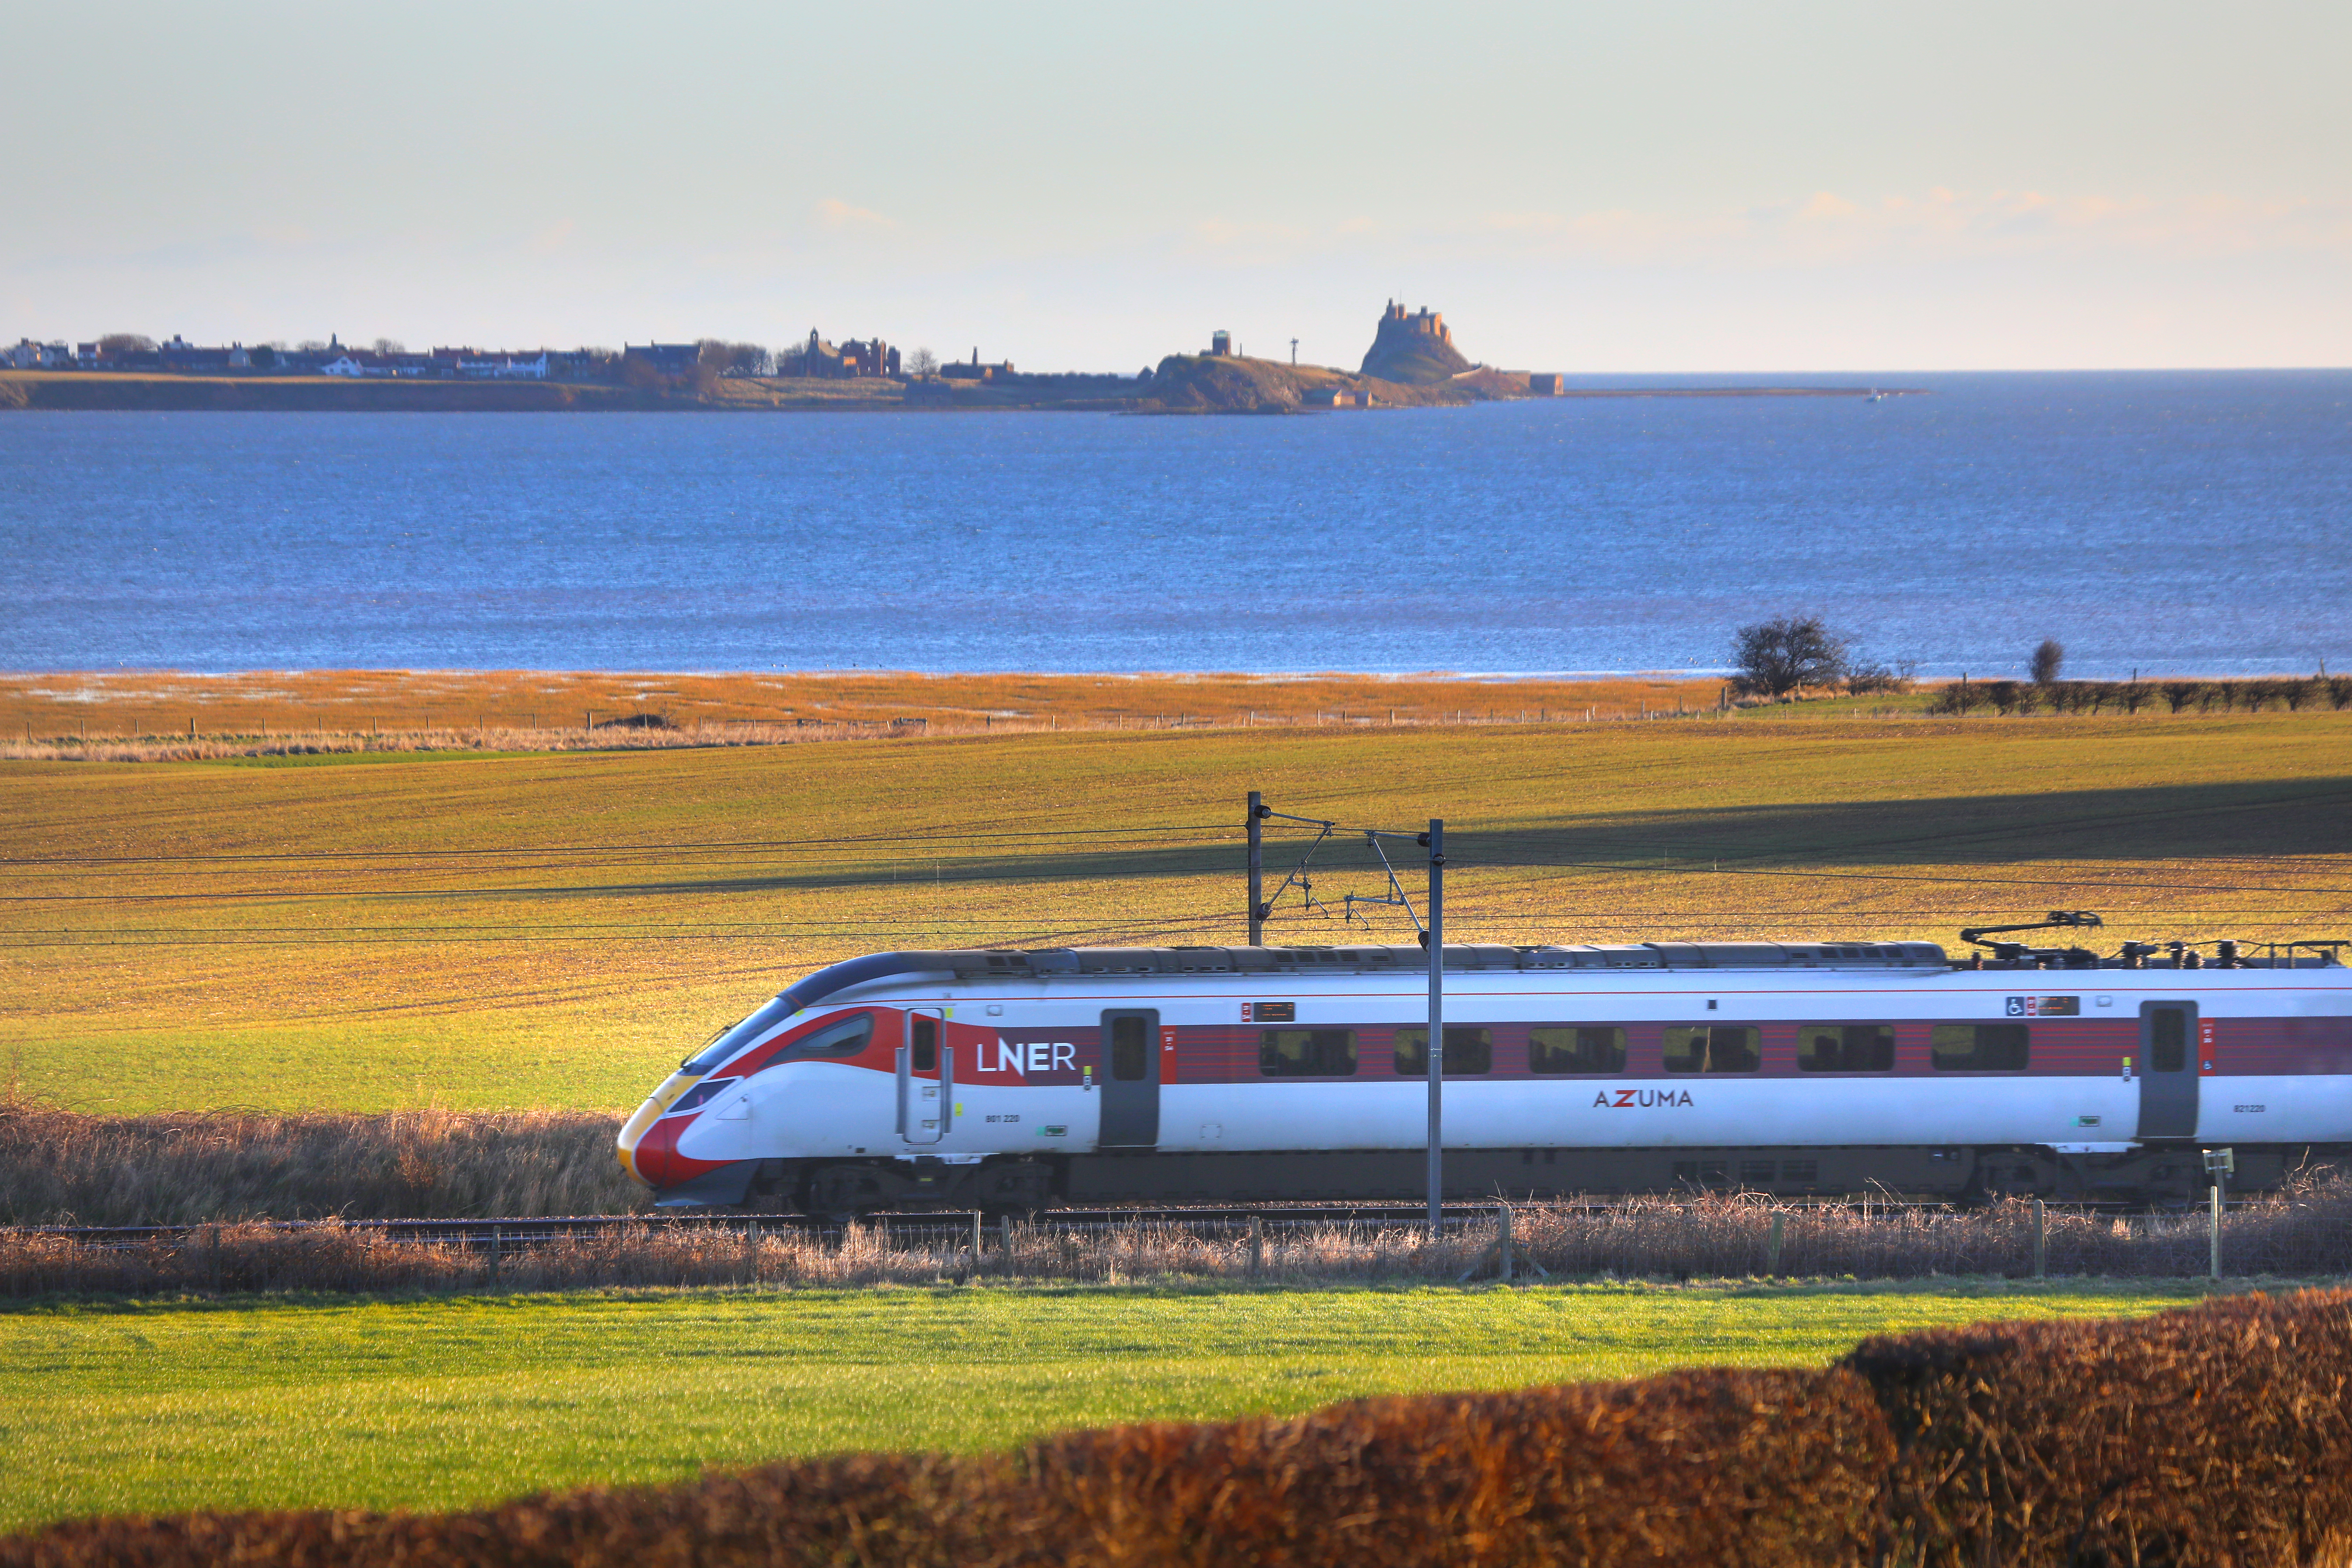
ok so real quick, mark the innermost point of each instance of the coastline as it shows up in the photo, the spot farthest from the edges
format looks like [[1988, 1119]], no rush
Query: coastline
[[1273, 390]]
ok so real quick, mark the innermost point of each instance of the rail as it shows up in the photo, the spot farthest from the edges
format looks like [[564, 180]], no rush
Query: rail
[[930, 1227]]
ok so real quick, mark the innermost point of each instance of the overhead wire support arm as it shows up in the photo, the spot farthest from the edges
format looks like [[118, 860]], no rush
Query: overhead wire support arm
[[1298, 877], [1396, 898]]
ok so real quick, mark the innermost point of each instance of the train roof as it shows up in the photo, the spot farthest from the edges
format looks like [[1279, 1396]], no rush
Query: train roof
[[1069, 961], [971, 964], [968, 965]]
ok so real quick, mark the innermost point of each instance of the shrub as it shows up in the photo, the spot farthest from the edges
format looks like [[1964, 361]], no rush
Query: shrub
[[2181, 693], [1956, 697], [2339, 691], [2004, 696], [1863, 679], [2048, 659], [1700, 1467], [1777, 656], [2219, 1433]]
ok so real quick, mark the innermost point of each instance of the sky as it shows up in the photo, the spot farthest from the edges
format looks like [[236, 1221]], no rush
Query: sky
[[1673, 186]]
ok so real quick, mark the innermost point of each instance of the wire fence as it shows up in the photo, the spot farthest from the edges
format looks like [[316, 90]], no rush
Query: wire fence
[[2304, 1233]]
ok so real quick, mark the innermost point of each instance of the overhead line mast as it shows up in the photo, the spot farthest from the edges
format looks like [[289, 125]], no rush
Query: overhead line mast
[[1432, 938]]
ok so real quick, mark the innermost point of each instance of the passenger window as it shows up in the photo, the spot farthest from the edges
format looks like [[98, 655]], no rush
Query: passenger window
[[1307, 1053], [1584, 1049], [1980, 1048], [1468, 1052], [927, 1043], [2168, 1040], [1130, 1047], [1712, 1047], [1845, 1048]]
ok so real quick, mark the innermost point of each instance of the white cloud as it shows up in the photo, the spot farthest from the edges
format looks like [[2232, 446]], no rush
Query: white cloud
[[840, 216]]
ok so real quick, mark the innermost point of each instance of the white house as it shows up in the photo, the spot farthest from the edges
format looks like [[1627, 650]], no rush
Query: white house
[[511, 366], [30, 355]]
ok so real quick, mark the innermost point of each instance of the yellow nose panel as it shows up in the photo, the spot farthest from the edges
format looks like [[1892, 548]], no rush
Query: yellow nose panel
[[634, 1129]]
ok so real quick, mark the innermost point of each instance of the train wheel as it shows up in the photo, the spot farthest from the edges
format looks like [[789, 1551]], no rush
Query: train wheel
[[840, 1193], [1018, 1188]]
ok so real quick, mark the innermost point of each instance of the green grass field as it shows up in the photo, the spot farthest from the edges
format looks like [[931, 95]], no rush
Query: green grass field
[[448, 1403], [556, 929]]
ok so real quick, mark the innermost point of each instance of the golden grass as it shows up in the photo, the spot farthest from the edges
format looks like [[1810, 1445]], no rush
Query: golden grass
[[341, 705], [60, 1168], [553, 930]]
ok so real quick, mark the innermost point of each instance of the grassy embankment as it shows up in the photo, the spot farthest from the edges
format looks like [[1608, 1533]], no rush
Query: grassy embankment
[[466, 707], [449, 1403], [552, 931]]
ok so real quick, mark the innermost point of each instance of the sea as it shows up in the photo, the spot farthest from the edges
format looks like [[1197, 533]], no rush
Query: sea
[[2188, 522]]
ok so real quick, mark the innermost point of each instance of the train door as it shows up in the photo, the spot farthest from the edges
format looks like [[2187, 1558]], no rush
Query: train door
[[1130, 1079], [2168, 1079], [925, 1072]]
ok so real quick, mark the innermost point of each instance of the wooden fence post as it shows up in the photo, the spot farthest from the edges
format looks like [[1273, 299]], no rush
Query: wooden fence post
[[1257, 1246], [2041, 1244], [1772, 1248], [495, 1239], [1503, 1240]]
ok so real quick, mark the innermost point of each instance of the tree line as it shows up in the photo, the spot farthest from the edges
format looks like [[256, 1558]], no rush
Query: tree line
[[1789, 654]]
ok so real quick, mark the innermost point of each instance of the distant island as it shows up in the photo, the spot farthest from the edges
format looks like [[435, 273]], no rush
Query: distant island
[[1413, 362]]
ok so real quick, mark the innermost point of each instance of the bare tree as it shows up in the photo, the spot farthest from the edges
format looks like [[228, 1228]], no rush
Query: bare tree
[[2048, 660], [114, 345], [1778, 656], [922, 362], [389, 346]]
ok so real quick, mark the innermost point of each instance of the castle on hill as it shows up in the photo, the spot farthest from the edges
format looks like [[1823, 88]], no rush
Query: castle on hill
[[1416, 348]]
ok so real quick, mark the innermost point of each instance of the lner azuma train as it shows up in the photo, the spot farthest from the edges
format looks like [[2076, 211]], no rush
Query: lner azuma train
[[1017, 1080]]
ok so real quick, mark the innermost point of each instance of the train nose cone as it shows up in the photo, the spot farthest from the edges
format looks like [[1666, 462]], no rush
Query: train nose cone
[[635, 1158]]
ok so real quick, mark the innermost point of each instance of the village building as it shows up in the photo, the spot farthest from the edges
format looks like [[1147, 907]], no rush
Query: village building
[[975, 371], [669, 359], [823, 361], [30, 355]]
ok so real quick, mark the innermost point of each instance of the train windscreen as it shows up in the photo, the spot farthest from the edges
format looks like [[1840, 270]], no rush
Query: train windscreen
[[727, 1042]]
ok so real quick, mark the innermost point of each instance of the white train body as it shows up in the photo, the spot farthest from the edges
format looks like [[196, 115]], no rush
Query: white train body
[[1016, 1080]]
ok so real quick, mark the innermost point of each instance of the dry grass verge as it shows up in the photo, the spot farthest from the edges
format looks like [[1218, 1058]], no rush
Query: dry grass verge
[[57, 1167], [2305, 1233]]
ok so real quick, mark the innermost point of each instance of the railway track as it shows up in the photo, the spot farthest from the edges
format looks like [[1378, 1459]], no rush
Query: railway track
[[912, 1228]]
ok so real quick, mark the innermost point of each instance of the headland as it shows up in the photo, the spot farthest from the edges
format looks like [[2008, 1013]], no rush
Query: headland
[[1413, 362]]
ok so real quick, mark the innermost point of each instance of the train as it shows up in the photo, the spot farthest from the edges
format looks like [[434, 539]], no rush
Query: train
[[1015, 1080]]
